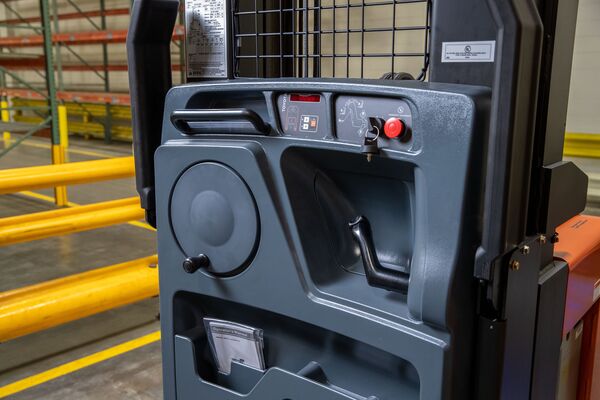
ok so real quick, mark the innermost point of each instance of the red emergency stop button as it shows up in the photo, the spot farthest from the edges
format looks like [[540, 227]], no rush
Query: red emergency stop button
[[394, 128]]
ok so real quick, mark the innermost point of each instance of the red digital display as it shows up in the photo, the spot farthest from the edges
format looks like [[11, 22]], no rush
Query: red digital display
[[305, 98]]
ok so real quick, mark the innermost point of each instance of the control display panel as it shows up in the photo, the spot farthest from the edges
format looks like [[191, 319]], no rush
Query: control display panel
[[389, 120], [303, 114], [383, 117]]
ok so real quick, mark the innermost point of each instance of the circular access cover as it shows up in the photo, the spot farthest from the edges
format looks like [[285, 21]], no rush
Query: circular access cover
[[214, 213]]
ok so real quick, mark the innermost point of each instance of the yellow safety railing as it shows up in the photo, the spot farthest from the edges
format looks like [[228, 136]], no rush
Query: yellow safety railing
[[582, 145], [45, 224], [19, 179], [85, 118], [59, 149], [38, 307]]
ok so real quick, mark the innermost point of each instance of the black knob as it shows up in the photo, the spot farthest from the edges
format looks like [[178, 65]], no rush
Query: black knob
[[193, 264]]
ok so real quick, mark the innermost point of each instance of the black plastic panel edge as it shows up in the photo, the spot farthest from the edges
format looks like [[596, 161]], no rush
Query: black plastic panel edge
[[149, 60]]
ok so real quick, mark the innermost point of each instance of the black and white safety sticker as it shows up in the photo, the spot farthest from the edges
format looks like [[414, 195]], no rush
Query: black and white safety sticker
[[206, 38]]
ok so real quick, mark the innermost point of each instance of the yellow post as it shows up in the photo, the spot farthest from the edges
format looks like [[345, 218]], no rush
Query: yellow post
[[59, 154], [42, 306], [63, 128], [5, 117]]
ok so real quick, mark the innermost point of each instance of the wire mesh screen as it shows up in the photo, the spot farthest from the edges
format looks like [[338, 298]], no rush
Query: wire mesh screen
[[331, 38]]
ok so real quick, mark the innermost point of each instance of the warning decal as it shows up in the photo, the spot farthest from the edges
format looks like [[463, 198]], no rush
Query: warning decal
[[206, 44], [468, 51]]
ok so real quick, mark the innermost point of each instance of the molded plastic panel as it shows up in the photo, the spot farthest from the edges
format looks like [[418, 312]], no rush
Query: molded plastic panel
[[305, 275], [213, 213]]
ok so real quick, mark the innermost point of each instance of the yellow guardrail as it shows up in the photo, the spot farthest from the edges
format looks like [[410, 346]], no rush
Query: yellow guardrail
[[64, 212], [19, 179], [38, 307], [87, 127], [81, 109], [582, 145], [45, 224], [84, 118]]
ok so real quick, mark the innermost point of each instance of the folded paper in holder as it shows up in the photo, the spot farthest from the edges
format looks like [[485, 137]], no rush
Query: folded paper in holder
[[230, 341]]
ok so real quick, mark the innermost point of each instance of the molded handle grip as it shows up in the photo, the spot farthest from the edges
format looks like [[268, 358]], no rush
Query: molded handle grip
[[149, 60], [377, 275], [182, 118]]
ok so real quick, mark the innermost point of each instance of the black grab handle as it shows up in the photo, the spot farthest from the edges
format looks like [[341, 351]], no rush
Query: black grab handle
[[149, 61], [377, 274], [229, 118]]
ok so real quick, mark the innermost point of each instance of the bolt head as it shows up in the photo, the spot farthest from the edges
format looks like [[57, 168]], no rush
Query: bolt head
[[515, 265], [543, 239], [525, 250]]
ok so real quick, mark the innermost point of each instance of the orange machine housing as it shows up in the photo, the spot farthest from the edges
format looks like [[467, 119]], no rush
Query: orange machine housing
[[579, 247]]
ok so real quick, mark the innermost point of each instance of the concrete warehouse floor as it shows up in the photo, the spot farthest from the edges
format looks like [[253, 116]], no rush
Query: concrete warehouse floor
[[132, 375]]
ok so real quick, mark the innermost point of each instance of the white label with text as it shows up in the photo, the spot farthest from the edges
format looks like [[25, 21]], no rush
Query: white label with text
[[468, 51]]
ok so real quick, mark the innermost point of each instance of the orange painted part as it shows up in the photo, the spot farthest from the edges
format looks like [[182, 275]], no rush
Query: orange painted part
[[116, 36], [75, 38], [12, 61], [579, 238], [73, 15], [93, 97], [38, 63], [588, 386], [579, 247]]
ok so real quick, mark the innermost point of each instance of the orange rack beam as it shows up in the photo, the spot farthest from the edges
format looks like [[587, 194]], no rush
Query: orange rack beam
[[73, 15], [82, 97], [77, 38], [37, 63]]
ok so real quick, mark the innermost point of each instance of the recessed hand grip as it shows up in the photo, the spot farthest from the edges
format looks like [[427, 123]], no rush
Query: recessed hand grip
[[227, 118], [377, 275]]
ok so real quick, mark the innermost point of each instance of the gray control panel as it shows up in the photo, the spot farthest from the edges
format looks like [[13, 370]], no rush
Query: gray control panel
[[361, 252], [353, 113], [390, 120]]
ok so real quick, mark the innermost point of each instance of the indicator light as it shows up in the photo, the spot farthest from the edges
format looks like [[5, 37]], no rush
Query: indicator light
[[305, 98]]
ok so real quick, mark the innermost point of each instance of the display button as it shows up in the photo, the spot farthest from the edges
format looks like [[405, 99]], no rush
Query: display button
[[394, 128], [310, 123]]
